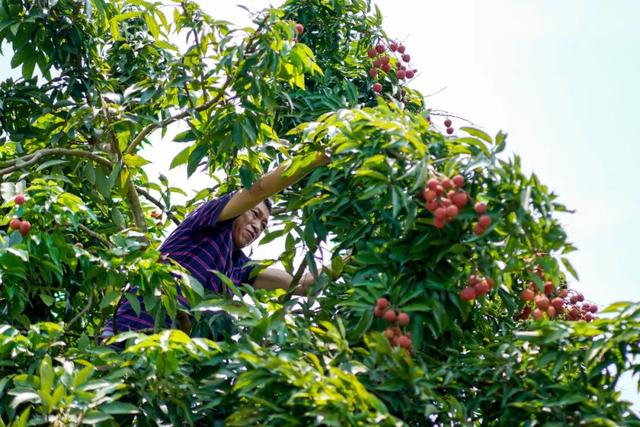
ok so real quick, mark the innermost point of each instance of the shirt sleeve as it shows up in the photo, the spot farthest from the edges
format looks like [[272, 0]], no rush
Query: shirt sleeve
[[244, 269], [206, 216]]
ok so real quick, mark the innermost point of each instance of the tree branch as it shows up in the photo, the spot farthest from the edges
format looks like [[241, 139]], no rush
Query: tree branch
[[153, 126], [136, 207], [294, 282], [95, 235], [31, 159], [447, 114], [132, 195], [82, 312], [159, 204]]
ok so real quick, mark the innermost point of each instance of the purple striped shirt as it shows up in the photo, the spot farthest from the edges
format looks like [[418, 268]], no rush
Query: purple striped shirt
[[199, 244]]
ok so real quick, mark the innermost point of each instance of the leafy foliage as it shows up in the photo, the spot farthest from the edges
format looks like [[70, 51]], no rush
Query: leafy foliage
[[99, 78]]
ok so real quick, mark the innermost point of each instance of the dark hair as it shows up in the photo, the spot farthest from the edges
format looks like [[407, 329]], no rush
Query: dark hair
[[269, 203]]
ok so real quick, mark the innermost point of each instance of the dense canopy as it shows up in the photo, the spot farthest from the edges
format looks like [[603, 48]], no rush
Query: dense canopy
[[437, 316]]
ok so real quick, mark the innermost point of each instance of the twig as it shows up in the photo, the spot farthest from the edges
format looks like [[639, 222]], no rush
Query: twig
[[82, 312], [298, 275], [159, 204], [436, 92], [202, 85], [33, 158], [447, 114], [95, 235], [294, 282], [153, 126]]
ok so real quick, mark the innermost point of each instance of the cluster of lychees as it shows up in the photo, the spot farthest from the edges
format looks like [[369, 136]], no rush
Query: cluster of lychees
[[16, 224], [484, 220], [554, 303], [578, 309], [477, 286], [447, 124], [381, 61], [394, 333], [444, 198]]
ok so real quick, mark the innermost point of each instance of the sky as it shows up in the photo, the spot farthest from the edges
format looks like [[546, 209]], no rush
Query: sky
[[561, 78]]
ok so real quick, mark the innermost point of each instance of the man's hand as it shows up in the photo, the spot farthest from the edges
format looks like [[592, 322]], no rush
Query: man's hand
[[274, 278], [271, 183]]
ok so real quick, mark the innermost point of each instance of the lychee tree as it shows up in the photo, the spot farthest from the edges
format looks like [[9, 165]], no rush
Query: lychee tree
[[448, 298]]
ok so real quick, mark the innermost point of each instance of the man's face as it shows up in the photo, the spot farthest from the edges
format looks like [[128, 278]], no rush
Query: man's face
[[249, 226]]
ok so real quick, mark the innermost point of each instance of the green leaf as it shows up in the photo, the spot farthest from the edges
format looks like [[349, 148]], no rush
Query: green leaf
[[135, 303], [570, 268], [113, 176], [110, 297], [71, 201], [246, 176], [50, 163], [47, 299], [152, 25], [195, 157], [617, 307], [181, 158], [192, 284], [119, 408], [23, 420], [23, 397], [363, 325], [477, 133], [474, 143], [134, 160], [117, 217], [95, 417], [186, 136], [46, 375]]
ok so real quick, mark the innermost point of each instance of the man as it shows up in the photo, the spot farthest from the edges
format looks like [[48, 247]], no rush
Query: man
[[211, 238]]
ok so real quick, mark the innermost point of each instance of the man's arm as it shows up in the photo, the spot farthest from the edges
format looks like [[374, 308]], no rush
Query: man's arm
[[274, 278], [271, 183]]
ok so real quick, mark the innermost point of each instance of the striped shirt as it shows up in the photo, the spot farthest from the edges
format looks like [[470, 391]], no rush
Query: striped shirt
[[200, 244]]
